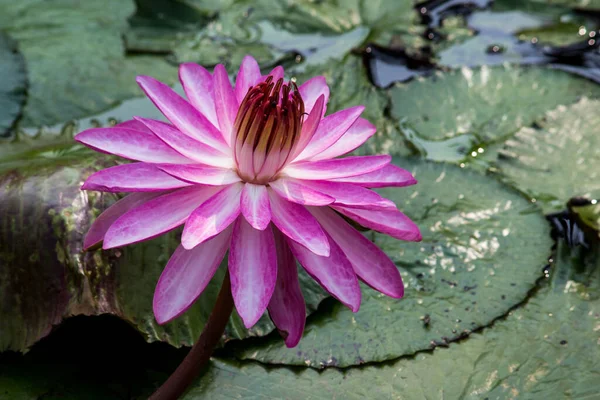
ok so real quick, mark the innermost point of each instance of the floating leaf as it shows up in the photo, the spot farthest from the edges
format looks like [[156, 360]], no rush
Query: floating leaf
[[553, 160], [484, 105], [13, 83], [304, 31], [546, 349], [483, 249], [75, 56]]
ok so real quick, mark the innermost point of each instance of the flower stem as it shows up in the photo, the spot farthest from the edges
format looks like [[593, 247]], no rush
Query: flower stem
[[200, 353]]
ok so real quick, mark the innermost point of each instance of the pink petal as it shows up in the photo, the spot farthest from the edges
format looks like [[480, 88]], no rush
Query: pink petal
[[134, 125], [186, 145], [358, 133], [370, 263], [156, 216], [330, 129], [276, 73], [136, 177], [286, 308], [309, 127], [350, 195], [134, 145], [253, 270], [202, 174], [186, 275], [255, 206], [294, 191], [182, 114], [311, 90], [390, 222], [98, 229], [212, 216], [334, 273], [390, 175], [198, 85], [298, 224], [225, 102], [336, 168], [248, 76]]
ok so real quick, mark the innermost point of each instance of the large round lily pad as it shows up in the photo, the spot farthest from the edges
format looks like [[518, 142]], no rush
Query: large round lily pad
[[13, 83], [490, 104], [547, 349], [75, 57], [556, 158], [484, 246]]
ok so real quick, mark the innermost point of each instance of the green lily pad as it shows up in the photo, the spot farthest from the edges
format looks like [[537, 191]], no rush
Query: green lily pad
[[483, 106], [350, 86], [13, 83], [557, 24], [484, 247], [303, 32], [554, 159], [75, 57], [577, 4], [546, 349]]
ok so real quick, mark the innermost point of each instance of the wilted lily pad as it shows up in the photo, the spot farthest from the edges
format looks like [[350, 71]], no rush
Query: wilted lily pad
[[68, 76], [483, 105], [484, 246], [556, 158], [12, 84]]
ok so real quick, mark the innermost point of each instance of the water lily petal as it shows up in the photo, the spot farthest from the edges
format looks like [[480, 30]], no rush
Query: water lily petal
[[330, 130], [248, 75], [213, 216], [135, 177], [390, 222], [354, 137], [98, 229], [135, 125], [296, 192], [185, 145], [255, 206], [198, 85], [276, 73], [334, 273], [131, 144], [225, 102], [311, 90], [182, 114], [350, 195], [309, 127], [390, 175], [336, 168], [186, 275], [286, 308], [202, 174], [157, 216], [371, 264], [253, 270], [298, 224]]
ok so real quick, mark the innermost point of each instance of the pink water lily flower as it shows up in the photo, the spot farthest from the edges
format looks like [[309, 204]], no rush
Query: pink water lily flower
[[253, 169]]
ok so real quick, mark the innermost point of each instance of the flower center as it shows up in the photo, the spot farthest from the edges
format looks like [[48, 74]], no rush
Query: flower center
[[267, 128]]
